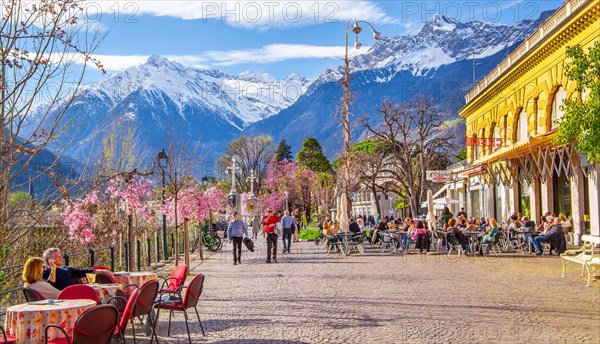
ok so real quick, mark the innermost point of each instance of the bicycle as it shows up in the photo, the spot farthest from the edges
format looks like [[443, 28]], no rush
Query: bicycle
[[210, 240]]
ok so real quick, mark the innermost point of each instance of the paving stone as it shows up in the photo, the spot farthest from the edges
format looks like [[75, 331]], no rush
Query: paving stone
[[382, 298]]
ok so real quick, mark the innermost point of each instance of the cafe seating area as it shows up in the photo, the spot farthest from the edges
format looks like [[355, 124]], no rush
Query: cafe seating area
[[104, 310]]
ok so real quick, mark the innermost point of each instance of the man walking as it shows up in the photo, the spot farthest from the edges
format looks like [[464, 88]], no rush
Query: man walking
[[270, 222], [236, 231], [287, 222]]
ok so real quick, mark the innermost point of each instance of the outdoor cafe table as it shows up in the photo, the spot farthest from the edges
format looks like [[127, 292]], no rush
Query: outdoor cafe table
[[105, 291], [474, 237], [522, 234], [26, 322], [344, 236], [137, 278]]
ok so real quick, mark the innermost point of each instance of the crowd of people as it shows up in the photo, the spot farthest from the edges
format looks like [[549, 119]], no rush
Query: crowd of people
[[450, 230]]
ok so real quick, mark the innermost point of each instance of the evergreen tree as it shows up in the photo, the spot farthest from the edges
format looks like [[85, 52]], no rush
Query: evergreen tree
[[284, 152], [311, 155]]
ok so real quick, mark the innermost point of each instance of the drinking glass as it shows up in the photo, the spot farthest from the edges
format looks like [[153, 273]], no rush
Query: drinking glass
[[91, 277]]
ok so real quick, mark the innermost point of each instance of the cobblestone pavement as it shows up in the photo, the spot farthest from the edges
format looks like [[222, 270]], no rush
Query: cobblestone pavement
[[382, 298]]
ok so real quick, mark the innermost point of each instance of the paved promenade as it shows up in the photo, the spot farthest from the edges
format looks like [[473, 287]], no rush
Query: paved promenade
[[382, 298]]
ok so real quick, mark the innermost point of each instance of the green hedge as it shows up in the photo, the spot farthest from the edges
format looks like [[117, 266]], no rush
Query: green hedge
[[309, 234]]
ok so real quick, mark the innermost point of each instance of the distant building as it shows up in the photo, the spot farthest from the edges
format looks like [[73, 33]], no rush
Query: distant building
[[512, 164]]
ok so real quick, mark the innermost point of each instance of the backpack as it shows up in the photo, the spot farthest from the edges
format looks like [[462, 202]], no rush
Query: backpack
[[249, 244]]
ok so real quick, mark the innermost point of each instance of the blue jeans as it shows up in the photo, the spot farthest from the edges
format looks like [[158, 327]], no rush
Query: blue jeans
[[405, 240], [287, 236], [537, 242]]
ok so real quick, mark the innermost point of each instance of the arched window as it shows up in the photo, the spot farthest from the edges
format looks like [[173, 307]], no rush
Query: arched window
[[557, 112], [522, 126], [497, 137]]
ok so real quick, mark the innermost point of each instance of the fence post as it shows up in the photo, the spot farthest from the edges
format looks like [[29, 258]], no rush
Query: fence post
[[112, 258], [173, 244], [157, 248], [149, 249], [66, 259], [126, 245], [139, 254], [92, 257]]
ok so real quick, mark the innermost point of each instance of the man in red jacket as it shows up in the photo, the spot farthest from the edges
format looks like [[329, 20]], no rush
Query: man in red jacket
[[270, 227]]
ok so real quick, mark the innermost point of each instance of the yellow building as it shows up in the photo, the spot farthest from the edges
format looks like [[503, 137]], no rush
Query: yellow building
[[513, 166]]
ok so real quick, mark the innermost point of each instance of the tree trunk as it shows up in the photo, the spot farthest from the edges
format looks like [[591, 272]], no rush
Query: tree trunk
[[186, 243], [377, 205], [176, 253], [130, 242]]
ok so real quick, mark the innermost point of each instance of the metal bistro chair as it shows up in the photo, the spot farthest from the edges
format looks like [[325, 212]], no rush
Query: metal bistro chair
[[140, 303], [78, 291], [356, 243], [6, 339], [330, 245], [94, 326], [32, 295], [386, 242], [176, 279], [192, 294], [453, 244], [495, 245]]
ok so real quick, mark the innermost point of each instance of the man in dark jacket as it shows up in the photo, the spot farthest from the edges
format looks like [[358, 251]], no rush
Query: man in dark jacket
[[65, 275], [354, 227], [548, 234]]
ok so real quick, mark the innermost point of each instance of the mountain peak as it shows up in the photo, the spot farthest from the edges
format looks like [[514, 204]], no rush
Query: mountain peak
[[442, 22], [157, 60]]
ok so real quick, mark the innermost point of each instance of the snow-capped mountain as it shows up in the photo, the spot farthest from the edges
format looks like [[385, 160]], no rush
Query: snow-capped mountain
[[437, 61], [159, 95], [214, 107]]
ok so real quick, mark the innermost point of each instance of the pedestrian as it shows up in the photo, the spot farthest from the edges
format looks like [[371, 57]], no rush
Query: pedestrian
[[287, 222], [270, 222], [296, 228], [236, 231], [255, 226]]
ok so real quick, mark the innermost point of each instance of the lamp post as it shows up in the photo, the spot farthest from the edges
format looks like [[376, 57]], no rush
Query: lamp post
[[163, 162], [356, 29]]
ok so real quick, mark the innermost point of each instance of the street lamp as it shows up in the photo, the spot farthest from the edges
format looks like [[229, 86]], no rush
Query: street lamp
[[356, 29], [163, 161]]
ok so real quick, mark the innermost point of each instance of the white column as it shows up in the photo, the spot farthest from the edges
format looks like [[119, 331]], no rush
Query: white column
[[594, 190], [534, 200], [547, 192], [490, 201], [513, 198], [577, 204]]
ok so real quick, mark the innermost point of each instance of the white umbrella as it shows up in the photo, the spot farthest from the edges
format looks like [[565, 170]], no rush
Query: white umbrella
[[446, 200], [343, 214], [430, 211]]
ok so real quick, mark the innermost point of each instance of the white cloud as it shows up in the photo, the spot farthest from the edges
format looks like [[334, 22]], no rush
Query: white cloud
[[267, 54], [260, 15]]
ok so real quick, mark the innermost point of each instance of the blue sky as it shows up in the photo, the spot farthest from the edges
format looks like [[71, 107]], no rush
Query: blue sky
[[275, 37]]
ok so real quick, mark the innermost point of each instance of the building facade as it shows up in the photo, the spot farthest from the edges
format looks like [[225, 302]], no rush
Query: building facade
[[511, 118], [363, 203]]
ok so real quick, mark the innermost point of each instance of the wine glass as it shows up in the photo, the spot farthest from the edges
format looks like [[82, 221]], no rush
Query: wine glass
[[91, 277]]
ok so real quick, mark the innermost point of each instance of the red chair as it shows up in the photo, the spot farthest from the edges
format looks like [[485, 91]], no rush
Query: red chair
[[176, 279], [192, 295], [32, 295], [140, 303], [94, 326], [6, 339], [100, 267], [77, 292]]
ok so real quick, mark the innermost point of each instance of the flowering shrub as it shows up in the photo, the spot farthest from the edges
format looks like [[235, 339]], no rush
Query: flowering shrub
[[80, 217]]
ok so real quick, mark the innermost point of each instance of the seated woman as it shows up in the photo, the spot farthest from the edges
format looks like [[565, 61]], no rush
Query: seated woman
[[421, 237], [32, 276], [453, 229], [489, 239], [408, 238]]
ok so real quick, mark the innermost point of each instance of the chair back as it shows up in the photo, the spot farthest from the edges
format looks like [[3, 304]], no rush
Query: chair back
[[128, 310], [78, 291], [452, 239], [32, 295], [177, 277], [100, 267], [144, 300], [105, 277], [193, 291], [497, 237], [96, 325]]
